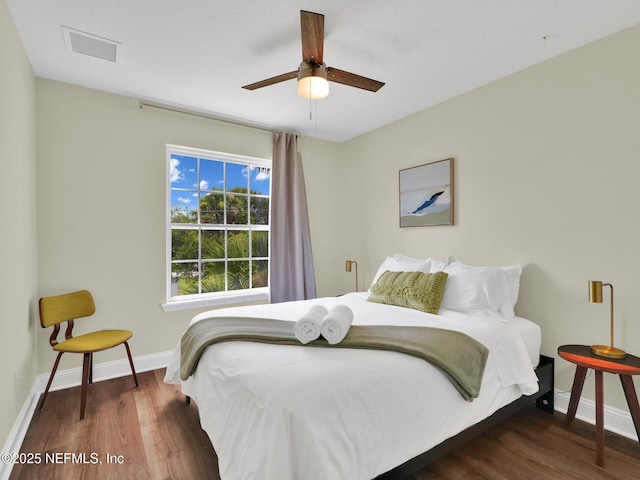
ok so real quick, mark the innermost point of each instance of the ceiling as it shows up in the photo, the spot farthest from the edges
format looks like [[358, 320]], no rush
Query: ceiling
[[196, 54]]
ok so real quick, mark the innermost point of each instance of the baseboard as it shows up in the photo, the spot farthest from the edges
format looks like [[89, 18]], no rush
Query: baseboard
[[19, 430], [615, 420], [104, 371], [67, 379]]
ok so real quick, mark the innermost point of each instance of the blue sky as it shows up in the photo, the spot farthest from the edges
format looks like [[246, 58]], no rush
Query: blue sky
[[184, 175]]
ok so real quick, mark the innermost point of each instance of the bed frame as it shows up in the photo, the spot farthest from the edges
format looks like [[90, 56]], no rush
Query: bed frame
[[543, 399]]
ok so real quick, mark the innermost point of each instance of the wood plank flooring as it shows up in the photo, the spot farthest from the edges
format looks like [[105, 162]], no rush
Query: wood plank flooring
[[157, 435], [150, 432]]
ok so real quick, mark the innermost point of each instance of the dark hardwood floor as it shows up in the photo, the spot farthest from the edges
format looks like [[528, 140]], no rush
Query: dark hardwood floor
[[151, 433]]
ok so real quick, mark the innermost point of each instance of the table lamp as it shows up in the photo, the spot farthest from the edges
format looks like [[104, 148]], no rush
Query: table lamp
[[595, 296], [348, 268]]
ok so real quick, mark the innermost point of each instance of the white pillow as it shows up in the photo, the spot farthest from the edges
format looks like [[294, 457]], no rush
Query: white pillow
[[483, 290], [439, 265], [404, 258], [514, 272], [436, 265], [396, 265]]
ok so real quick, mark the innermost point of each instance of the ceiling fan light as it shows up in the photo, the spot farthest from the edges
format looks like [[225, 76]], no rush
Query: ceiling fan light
[[312, 80], [313, 87]]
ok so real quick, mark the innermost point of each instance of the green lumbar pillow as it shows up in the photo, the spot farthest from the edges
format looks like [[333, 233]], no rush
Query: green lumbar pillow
[[421, 291]]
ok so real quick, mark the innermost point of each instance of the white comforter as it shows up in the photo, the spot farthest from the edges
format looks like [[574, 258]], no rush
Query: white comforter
[[276, 412]]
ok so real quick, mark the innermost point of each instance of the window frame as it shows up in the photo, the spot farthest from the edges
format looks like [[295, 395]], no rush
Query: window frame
[[227, 297]]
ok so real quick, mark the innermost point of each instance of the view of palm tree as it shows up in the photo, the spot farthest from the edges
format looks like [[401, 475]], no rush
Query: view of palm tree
[[221, 243]]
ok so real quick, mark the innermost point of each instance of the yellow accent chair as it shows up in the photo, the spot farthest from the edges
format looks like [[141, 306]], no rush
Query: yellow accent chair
[[66, 308]]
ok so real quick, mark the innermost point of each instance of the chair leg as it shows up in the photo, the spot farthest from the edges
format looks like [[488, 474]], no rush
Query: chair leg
[[90, 368], [53, 372], [86, 366], [133, 370]]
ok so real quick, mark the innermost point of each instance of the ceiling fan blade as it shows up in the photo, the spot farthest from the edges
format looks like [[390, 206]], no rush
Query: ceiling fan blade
[[312, 28], [270, 81], [353, 80]]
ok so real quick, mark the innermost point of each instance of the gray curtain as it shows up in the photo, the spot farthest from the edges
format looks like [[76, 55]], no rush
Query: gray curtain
[[292, 275]]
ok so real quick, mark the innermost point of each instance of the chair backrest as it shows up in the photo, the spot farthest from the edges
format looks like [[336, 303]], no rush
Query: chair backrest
[[62, 308]]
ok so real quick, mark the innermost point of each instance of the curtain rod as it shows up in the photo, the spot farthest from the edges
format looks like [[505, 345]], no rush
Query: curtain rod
[[143, 103]]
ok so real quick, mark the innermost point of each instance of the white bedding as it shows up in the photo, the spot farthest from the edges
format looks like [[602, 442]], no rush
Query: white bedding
[[276, 412]]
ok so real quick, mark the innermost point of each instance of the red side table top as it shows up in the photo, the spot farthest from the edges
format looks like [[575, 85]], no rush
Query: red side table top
[[582, 355]]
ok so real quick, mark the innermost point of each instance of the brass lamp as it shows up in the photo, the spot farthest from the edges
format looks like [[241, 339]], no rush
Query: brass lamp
[[595, 296], [348, 268]]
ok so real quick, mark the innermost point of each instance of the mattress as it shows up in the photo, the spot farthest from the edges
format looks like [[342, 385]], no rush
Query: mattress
[[276, 412]]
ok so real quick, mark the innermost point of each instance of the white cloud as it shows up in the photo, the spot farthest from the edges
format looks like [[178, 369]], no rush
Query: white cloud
[[263, 173], [175, 173], [186, 201], [204, 185]]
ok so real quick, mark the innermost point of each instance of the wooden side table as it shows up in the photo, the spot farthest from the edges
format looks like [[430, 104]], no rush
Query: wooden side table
[[626, 367]]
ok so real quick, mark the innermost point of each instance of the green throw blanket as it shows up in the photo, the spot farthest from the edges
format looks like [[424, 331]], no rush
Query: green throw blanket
[[461, 358]]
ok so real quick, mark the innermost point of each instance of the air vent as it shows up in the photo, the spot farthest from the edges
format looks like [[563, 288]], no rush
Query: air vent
[[87, 44]]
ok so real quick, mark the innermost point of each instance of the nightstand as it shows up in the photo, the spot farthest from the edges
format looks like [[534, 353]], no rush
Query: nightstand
[[626, 367]]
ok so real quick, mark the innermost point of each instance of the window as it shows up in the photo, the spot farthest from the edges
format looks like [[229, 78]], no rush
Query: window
[[217, 228]]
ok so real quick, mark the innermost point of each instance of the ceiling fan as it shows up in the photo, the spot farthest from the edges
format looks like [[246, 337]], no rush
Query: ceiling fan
[[313, 74]]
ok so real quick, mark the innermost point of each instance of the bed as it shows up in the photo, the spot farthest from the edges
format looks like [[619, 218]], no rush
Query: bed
[[288, 412]]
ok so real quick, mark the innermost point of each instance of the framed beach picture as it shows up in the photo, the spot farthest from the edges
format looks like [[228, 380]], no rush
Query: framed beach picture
[[426, 194]]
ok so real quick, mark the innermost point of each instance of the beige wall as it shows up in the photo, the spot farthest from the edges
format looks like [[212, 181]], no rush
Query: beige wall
[[18, 253], [101, 210], [323, 166], [547, 168]]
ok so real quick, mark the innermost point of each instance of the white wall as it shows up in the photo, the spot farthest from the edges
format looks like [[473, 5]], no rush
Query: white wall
[[547, 169], [101, 209], [18, 254]]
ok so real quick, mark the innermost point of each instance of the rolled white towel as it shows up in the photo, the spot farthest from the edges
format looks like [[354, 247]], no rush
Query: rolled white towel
[[307, 328], [336, 324]]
